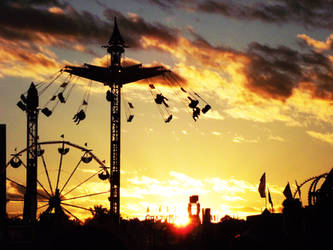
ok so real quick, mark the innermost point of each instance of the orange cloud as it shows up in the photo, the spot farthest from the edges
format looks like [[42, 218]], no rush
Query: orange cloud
[[56, 10], [264, 84], [325, 137], [22, 60], [318, 45]]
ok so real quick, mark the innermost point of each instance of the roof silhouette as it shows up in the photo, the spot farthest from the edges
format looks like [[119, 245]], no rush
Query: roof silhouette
[[116, 38]]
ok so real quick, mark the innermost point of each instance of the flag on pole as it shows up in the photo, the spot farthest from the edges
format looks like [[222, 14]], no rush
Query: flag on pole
[[270, 199], [287, 192], [262, 186]]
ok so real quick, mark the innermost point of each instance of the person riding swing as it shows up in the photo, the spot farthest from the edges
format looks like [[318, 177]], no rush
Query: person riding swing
[[196, 113], [159, 99], [81, 115]]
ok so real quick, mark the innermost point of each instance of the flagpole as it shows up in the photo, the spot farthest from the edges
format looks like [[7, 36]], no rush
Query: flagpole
[[265, 200]]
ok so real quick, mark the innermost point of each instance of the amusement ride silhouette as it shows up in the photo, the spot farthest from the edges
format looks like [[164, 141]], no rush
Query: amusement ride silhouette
[[114, 76]]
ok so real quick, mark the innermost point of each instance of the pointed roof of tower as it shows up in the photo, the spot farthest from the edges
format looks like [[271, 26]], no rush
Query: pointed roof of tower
[[32, 97], [116, 38]]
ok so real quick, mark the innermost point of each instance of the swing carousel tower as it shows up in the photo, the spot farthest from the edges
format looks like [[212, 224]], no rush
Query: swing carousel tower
[[115, 76], [115, 48]]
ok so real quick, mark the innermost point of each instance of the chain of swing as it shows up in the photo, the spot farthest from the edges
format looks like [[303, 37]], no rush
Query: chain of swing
[[64, 87], [190, 99], [195, 104]]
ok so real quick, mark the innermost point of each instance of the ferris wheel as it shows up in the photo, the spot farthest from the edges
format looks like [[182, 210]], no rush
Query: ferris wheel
[[315, 190], [71, 179]]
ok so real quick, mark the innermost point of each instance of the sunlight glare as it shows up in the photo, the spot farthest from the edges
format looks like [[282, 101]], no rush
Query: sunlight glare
[[181, 221]]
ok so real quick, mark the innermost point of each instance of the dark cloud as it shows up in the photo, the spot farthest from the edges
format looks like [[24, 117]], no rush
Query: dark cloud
[[305, 12], [16, 192], [276, 72], [310, 13], [33, 2], [170, 4], [272, 72], [32, 21], [26, 22], [29, 28]]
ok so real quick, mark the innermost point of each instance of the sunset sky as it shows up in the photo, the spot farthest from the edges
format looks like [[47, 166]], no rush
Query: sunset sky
[[264, 67]]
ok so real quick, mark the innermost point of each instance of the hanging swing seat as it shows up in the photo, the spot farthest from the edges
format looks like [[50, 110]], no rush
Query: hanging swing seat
[[21, 105], [130, 105], [64, 84], [23, 98], [168, 119], [130, 118], [61, 97], [46, 112], [206, 108]]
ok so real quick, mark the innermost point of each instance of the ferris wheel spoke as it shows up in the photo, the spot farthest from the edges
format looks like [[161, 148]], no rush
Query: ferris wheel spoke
[[60, 165], [40, 207], [44, 196], [71, 214], [74, 170], [22, 186], [47, 174], [39, 183], [76, 206], [18, 184], [87, 195], [77, 186]]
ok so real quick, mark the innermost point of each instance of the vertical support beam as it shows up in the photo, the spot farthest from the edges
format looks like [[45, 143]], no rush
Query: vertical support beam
[[3, 153], [115, 48], [115, 152], [30, 197]]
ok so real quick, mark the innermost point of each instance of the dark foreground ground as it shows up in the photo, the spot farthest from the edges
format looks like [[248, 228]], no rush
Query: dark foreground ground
[[295, 228]]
